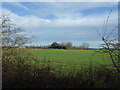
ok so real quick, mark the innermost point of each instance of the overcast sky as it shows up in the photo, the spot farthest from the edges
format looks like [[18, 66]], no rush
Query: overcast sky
[[63, 21]]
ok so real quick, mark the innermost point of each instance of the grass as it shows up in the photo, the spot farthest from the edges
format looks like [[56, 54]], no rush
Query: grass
[[70, 58]]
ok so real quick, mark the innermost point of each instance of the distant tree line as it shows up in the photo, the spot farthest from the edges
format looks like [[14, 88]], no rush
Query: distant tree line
[[63, 45]]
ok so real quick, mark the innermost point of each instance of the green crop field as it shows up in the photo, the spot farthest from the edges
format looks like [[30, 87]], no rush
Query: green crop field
[[70, 58]]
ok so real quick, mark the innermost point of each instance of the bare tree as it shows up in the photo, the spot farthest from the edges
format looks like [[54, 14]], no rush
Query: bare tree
[[110, 44], [69, 45], [11, 38], [85, 45]]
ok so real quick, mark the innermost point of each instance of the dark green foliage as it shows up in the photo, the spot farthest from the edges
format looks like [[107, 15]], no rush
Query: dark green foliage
[[56, 45], [20, 72]]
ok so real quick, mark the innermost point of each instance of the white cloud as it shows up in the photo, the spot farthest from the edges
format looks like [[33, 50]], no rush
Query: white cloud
[[70, 9], [65, 20], [17, 4], [67, 27]]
